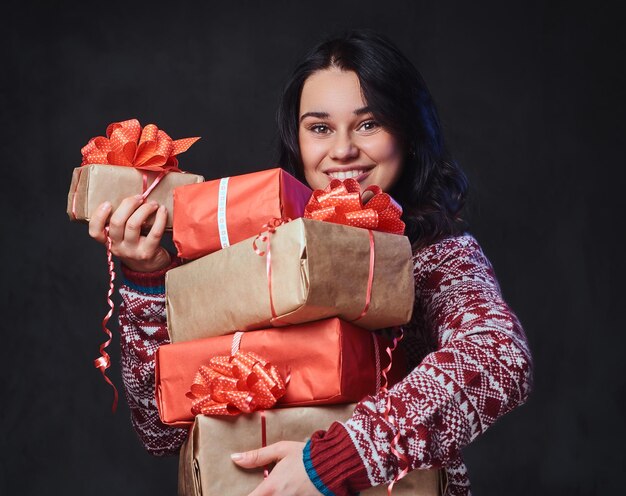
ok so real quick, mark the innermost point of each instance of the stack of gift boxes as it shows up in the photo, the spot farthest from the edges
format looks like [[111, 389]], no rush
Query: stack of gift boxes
[[271, 304], [301, 295]]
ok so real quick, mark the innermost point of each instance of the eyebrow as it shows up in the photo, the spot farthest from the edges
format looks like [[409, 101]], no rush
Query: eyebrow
[[326, 115]]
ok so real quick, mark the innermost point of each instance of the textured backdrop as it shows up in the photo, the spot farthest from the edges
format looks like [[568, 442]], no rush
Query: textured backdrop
[[528, 95]]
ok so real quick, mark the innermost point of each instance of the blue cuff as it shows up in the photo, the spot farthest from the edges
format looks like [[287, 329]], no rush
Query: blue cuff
[[312, 473], [150, 290]]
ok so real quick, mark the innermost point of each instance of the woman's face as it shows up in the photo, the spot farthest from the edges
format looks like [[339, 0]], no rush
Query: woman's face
[[339, 137]]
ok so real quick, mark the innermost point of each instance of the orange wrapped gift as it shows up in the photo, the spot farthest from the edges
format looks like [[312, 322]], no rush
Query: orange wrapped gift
[[326, 362], [215, 214]]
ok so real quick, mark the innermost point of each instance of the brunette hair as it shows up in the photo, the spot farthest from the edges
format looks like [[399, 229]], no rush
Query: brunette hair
[[431, 187]]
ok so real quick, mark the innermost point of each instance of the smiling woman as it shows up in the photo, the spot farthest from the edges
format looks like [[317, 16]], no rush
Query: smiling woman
[[339, 136], [355, 107]]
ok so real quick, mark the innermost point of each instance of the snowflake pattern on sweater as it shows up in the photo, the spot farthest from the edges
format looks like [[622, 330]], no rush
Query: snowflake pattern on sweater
[[472, 366], [479, 370], [143, 329]]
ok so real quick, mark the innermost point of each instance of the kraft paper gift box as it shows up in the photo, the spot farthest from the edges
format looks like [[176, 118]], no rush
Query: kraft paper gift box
[[328, 361], [222, 212], [318, 270], [205, 467], [94, 184]]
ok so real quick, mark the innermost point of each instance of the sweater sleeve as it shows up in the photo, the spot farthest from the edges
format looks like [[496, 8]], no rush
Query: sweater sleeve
[[143, 329], [480, 370]]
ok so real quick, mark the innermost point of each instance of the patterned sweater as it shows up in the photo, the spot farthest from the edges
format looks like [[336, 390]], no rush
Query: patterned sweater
[[472, 365]]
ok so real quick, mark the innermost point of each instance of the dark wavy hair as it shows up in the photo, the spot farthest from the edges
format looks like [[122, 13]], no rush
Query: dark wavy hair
[[431, 187]]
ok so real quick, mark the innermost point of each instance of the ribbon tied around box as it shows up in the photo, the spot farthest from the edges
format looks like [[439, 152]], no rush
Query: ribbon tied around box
[[127, 144], [240, 383], [341, 202]]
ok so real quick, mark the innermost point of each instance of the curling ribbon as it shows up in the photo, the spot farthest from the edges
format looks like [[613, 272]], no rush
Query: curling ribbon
[[103, 362], [402, 459], [240, 383], [127, 144], [341, 202]]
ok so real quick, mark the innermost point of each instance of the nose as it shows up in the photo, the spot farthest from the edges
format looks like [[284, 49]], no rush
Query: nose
[[343, 147]]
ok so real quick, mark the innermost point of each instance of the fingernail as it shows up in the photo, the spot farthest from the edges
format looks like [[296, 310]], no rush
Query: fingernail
[[106, 205], [152, 203], [138, 197], [236, 456]]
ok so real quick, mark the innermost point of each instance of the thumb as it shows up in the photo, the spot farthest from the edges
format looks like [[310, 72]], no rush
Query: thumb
[[259, 457]]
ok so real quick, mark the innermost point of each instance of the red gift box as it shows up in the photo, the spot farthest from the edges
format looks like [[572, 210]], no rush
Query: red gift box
[[328, 362], [215, 214]]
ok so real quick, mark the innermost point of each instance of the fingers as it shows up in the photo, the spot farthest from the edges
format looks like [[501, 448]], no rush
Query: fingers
[[117, 224], [132, 231], [98, 221], [288, 477], [260, 457], [153, 238]]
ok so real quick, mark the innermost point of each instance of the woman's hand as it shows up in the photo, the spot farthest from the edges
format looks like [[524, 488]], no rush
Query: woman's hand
[[288, 478], [137, 252]]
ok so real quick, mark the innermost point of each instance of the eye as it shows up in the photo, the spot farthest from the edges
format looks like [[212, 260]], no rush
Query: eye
[[319, 128], [369, 125]]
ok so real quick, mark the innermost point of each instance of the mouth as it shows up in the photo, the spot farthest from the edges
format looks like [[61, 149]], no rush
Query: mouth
[[357, 172]]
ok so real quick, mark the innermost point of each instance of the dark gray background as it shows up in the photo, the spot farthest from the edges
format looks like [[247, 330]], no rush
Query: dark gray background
[[529, 95]]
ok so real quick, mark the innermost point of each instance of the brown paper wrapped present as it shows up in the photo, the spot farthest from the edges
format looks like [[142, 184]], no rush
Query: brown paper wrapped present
[[95, 184], [205, 467], [318, 270]]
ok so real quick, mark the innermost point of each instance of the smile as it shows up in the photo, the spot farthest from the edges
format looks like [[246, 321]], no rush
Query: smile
[[357, 173]]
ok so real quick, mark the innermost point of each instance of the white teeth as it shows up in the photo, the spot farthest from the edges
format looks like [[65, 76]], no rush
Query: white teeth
[[345, 174]]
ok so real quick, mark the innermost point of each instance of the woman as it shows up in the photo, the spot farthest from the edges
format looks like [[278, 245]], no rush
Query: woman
[[356, 107]]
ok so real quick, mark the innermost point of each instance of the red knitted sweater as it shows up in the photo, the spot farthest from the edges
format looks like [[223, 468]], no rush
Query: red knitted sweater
[[472, 365]]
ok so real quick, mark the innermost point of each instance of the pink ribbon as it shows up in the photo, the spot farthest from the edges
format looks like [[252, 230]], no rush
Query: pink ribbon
[[402, 459], [103, 362], [127, 144], [264, 237]]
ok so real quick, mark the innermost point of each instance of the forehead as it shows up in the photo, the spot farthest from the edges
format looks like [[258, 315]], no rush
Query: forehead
[[332, 91]]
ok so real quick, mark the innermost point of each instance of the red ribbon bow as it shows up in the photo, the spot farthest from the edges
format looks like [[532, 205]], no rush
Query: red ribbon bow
[[341, 202], [127, 144], [240, 383]]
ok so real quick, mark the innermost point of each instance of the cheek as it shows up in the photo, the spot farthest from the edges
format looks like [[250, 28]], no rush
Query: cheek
[[312, 152], [384, 150]]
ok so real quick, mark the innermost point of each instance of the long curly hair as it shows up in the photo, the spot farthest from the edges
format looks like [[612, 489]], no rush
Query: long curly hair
[[431, 187]]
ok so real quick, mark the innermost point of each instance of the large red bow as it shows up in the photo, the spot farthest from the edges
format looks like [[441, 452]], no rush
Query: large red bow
[[341, 202], [129, 145], [240, 383]]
